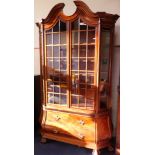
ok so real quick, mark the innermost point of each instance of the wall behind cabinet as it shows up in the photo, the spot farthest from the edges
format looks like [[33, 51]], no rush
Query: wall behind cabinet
[[43, 7]]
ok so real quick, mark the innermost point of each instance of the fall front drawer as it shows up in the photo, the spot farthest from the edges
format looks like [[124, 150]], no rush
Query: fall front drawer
[[77, 126]]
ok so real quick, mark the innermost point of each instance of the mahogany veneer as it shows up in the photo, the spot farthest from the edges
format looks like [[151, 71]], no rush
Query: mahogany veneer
[[76, 60]]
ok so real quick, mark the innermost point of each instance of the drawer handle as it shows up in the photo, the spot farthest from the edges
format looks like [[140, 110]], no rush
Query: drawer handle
[[81, 122], [57, 118], [81, 136], [55, 131]]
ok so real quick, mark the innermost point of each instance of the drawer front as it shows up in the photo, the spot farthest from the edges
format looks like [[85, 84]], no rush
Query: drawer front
[[78, 126]]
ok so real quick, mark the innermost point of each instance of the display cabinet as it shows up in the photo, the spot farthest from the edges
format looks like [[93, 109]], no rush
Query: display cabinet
[[76, 61]]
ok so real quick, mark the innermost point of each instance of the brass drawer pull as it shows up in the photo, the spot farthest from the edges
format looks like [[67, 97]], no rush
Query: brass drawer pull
[[57, 118], [55, 131], [81, 122], [81, 136]]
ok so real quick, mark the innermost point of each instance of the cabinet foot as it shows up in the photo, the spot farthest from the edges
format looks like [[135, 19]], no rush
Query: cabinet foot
[[96, 152], [43, 140]]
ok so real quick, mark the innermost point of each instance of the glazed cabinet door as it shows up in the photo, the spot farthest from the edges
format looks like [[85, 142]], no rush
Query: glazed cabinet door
[[105, 70], [82, 73], [56, 70]]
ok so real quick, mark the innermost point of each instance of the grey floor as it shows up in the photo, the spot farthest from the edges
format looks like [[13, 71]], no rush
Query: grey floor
[[59, 148]]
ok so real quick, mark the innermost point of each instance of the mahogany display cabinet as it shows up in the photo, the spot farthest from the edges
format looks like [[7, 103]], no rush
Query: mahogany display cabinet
[[76, 62]]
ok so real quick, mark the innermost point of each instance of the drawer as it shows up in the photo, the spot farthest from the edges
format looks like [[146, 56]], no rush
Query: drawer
[[78, 126]]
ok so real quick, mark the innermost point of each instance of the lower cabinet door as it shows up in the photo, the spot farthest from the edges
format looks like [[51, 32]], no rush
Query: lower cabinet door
[[74, 125]]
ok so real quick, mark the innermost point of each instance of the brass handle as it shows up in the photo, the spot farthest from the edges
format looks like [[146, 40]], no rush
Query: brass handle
[[81, 122], [55, 131], [81, 136], [57, 118]]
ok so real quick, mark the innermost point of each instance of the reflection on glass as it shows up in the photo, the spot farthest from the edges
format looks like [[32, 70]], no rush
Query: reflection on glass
[[50, 63], [91, 51], [63, 90], [89, 103]]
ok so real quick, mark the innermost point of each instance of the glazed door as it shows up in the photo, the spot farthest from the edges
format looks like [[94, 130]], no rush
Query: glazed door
[[82, 71], [56, 65]]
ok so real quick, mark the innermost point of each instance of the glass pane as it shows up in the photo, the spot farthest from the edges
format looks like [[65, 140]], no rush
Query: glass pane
[[74, 37], [75, 25], [90, 64], [49, 31], [56, 99], [56, 27], [74, 64], [90, 78], [90, 94], [82, 92], [63, 38], [75, 51], [49, 51], [74, 101], [63, 90], [91, 51], [91, 28], [56, 89], [91, 36], [50, 86], [55, 51], [81, 101], [50, 98], [55, 38], [83, 26], [63, 77], [82, 51], [49, 63], [82, 64], [63, 51], [56, 63], [63, 99], [82, 77], [56, 78], [62, 26], [48, 39], [104, 63], [89, 103], [82, 37], [63, 64]]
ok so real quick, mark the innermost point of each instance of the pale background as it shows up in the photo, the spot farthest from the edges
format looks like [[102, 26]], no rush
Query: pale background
[[43, 7]]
